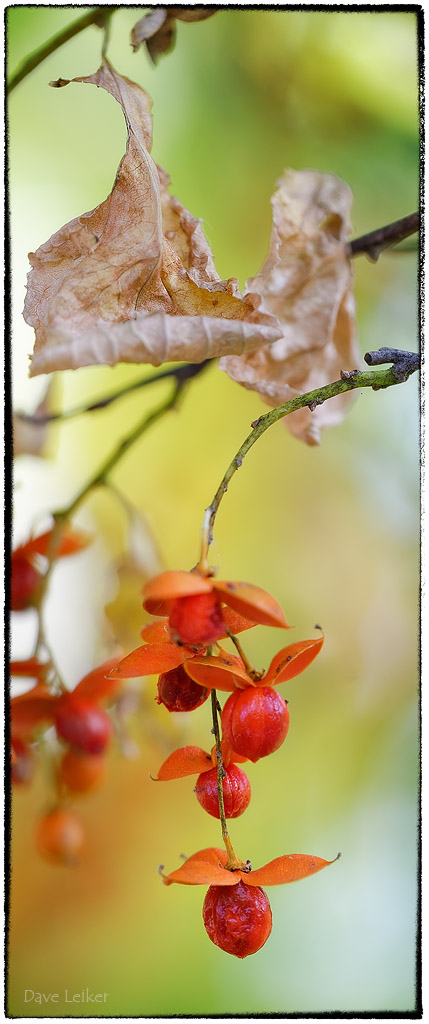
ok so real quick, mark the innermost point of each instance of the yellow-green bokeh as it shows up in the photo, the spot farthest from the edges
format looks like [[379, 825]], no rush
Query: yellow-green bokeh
[[332, 532]]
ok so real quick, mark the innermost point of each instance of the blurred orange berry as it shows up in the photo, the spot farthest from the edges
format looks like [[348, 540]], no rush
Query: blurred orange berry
[[81, 772], [60, 836]]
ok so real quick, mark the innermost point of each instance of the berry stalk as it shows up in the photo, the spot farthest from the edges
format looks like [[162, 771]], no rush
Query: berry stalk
[[233, 863]]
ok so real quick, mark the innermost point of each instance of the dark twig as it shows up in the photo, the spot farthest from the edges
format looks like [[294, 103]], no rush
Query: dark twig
[[374, 242], [98, 16], [404, 363], [181, 374]]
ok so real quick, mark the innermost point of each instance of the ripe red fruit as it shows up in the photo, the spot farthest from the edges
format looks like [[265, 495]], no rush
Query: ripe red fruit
[[83, 724], [255, 721], [236, 792], [81, 772], [237, 918], [60, 836], [197, 619], [178, 692], [24, 582]]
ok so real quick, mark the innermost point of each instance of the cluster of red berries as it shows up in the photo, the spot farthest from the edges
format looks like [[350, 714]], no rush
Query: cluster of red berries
[[194, 612], [83, 728]]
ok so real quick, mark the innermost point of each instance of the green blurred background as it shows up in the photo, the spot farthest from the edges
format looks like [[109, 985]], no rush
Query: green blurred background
[[333, 532]]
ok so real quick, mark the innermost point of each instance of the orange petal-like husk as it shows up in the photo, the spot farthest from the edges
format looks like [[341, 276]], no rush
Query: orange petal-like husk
[[69, 542], [204, 868], [95, 686], [31, 667], [225, 672], [149, 660], [207, 868], [292, 660], [156, 607], [39, 689], [234, 622], [162, 590], [156, 632], [28, 712], [182, 762], [251, 602], [289, 868]]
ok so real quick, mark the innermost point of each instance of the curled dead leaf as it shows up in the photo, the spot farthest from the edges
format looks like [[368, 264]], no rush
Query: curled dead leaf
[[158, 28], [306, 282], [134, 280]]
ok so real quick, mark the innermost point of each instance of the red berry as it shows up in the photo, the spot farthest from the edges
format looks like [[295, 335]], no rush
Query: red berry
[[237, 918], [60, 836], [83, 724], [255, 721], [24, 583], [81, 772], [197, 619], [236, 792], [178, 692]]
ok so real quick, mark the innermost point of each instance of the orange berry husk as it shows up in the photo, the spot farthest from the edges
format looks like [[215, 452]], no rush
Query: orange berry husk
[[247, 600], [99, 684], [251, 601], [292, 660], [161, 591], [193, 760], [31, 709], [26, 576], [150, 659], [183, 762], [207, 867], [31, 667], [224, 672]]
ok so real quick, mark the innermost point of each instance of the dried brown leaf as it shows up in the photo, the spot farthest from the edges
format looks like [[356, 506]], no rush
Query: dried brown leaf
[[306, 282], [158, 28], [134, 279], [148, 26], [192, 13]]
